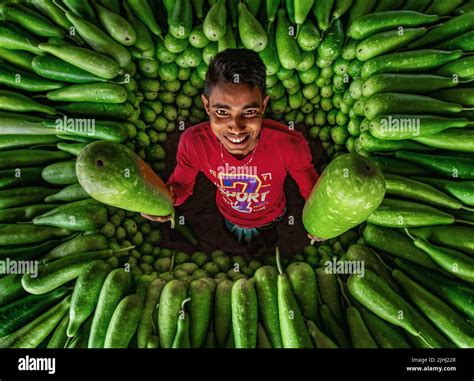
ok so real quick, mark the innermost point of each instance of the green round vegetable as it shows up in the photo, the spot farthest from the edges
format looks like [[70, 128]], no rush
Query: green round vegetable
[[348, 191]]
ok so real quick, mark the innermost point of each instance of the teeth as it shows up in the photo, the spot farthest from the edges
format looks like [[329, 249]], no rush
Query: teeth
[[234, 140]]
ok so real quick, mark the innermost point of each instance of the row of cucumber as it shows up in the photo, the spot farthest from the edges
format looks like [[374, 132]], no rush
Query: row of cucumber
[[411, 117], [398, 306], [416, 99], [49, 280], [329, 48], [379, 76], [382, 78]]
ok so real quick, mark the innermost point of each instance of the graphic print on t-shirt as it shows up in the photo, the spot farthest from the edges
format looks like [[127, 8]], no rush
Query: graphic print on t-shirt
[[244, 192]]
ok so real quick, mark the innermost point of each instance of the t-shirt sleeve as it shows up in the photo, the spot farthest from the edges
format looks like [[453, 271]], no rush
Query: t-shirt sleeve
[[184, 175], [301, 168]]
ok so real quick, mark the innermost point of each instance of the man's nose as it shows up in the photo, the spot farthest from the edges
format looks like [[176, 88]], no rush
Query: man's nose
[[236, 126]]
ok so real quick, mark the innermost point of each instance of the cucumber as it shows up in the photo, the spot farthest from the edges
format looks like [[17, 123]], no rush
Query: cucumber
[[333, 328], [19, 158], [115, 288], [81, 130], [24, 252], [214, 25], [15, 315], [11, 288], [287, 47], [59, 338], [145, 329], [79, 244], [55, 68], [56, 273], [266, 283], [124, 322], [308, 36], [332, 44], [200, 309], [385, 334], [171, 299], [211, 339], [456, 237], [23, 213], [72, 148], [70, 193], [244, 314], [153, 342], [181, 339], [303, 284], [262, 338], [21, 234], [23, 141], [251, 32], [319, 338], [60, 173], [360, 335], [330, 293], [82, 337], [181, 19], [35, 332], [79, 215], [269, 55], [443, 317], [397, 244], [458, 295], [223, 312], [86, 294], [20, 177], [10, 198], [364, 254], [377, 296], [294, 332], [405, 214]]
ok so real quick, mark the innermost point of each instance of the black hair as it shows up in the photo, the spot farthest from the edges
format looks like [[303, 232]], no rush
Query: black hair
[[242, 66]]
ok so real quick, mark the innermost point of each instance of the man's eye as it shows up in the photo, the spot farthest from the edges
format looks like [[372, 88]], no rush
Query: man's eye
[[221, 113], [250, 113]]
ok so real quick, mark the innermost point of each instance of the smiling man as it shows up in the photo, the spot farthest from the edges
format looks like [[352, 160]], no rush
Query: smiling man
[[245, 156]]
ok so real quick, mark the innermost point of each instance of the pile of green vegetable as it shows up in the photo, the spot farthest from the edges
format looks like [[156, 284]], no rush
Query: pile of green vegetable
[[388, 80]]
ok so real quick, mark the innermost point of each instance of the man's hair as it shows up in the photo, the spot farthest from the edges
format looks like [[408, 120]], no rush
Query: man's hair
[[241, 66]]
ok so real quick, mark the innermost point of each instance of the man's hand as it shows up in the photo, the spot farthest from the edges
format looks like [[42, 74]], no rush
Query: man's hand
[[161, 218], [157, 218], [314, 238]]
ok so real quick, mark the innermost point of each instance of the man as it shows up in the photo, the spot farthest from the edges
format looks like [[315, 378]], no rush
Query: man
[[245, 156]]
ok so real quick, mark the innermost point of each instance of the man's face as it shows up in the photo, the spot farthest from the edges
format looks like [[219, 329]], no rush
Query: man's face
[[235, 113]]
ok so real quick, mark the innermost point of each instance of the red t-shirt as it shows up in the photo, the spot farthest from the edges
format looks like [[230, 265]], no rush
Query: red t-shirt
[[248, 195]]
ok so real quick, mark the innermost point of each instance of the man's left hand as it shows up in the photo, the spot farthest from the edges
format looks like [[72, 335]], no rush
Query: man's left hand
[[317, 239]]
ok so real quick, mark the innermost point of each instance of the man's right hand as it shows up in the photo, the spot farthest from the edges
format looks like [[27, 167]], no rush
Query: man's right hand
[[161, 218]]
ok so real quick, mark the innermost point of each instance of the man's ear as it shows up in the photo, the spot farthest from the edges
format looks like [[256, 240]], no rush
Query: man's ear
[[265, 103], [205, 102]]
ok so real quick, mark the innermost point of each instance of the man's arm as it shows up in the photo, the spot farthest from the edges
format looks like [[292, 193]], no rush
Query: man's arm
[[301, 168], [183, 178]]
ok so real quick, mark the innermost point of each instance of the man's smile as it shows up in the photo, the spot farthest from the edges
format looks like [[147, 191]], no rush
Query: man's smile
[[240, 139]]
